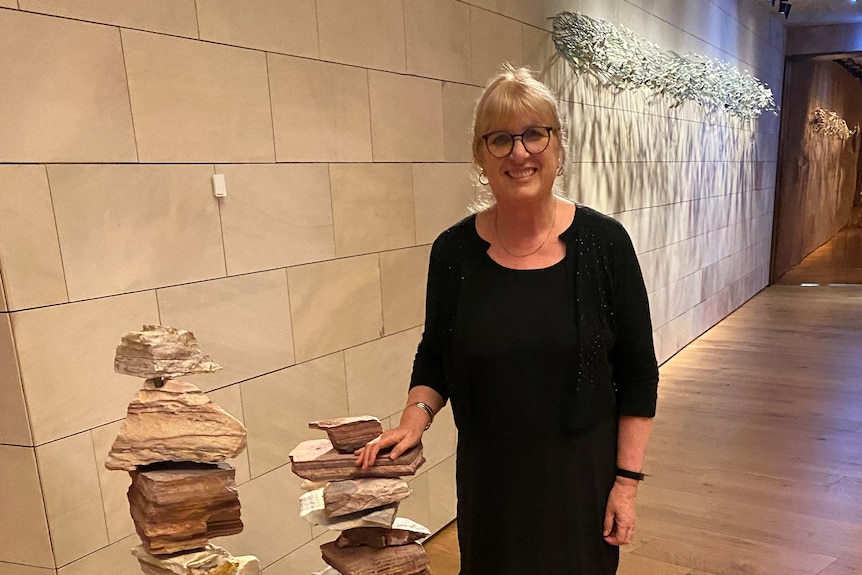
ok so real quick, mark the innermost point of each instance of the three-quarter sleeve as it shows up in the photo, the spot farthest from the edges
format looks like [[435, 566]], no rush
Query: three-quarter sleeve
[[428, 364], [635, 370]]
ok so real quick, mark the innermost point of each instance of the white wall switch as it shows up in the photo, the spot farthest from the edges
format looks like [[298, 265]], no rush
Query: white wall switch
[[219, 186]]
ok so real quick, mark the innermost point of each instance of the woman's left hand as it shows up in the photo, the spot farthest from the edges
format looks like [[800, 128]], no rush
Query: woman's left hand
[[620, 512]]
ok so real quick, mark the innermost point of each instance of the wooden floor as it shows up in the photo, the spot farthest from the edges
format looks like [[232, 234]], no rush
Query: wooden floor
[[756, 458]]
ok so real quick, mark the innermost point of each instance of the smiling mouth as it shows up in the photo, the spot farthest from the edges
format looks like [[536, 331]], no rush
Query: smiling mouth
[[521, 174]]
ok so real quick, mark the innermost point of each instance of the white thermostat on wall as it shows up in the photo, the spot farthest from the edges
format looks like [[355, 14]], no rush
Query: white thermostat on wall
[[219, 187]]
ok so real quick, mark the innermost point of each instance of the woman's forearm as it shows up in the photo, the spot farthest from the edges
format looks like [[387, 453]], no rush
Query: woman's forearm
[[632, 439]]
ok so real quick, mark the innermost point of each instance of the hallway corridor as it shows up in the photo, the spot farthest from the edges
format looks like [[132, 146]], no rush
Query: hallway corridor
[[755, 464]]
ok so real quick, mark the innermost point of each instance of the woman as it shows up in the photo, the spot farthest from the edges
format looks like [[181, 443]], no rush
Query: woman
[[537, 328]]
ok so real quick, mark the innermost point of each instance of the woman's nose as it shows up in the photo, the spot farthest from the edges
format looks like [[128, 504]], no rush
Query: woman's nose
[[518, 148]]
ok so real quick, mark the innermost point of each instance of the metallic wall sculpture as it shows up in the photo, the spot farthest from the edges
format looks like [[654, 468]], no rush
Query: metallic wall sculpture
[[623, 59], [828, 123]]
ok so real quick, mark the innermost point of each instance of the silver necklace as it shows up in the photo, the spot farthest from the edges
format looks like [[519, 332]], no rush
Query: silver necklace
[[544, 241]]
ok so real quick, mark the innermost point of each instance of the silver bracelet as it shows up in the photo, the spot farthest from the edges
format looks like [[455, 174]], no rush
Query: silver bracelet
[[427, 409]]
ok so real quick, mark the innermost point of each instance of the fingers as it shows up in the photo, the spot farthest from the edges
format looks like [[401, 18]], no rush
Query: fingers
[[620, 535], [365, 456], [402, 439], [406, 443], [609, 523], [369, 450]]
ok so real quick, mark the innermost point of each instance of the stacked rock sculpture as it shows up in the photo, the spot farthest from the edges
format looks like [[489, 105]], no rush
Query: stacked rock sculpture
[[361, 504], [174, 443]]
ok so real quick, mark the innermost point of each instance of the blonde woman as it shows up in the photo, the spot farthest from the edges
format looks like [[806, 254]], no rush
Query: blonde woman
[[537, 329]]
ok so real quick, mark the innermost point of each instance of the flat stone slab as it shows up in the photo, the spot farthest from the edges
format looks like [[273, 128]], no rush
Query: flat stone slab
[[161, 351], [176, 422], [316, 460], [354, 495], [407, 559], [348, 434], [313, 509], [402, 532]]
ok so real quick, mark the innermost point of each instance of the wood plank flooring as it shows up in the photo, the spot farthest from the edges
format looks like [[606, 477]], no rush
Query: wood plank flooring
[[755, 462]]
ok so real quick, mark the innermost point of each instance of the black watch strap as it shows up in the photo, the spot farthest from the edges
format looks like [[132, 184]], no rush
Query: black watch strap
[[630, 474]]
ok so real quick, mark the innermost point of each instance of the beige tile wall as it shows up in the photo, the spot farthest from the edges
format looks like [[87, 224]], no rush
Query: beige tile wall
[[73, 499], [372, 207], [163, 228], [63, 105], [244, 321], [174, 17], [406, 118], [14, 425], [342, 130], [66, 358], [196, 101], [29, 249], [320, 111], [283, 26], [24, 527], [369, 34]]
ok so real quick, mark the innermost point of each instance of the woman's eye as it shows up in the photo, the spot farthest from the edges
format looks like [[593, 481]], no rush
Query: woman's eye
[[534, 135], [501, 140]]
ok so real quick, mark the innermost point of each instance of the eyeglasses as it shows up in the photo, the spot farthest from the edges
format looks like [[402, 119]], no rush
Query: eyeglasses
[[535, 140]]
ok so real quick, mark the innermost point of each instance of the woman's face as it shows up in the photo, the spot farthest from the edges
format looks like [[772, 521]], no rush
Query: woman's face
[[521, 175]]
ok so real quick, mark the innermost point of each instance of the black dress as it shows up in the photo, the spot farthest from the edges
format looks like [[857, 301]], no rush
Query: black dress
[[530, 495], [538, 365]]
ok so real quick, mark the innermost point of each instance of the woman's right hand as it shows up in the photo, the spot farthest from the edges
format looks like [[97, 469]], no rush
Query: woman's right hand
[[405, 436]]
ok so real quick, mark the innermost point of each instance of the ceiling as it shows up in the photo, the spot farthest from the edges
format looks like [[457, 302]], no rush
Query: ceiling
[[820, 12]]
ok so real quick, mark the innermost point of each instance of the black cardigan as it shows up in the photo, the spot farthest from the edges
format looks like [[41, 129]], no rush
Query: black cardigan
[[617, 369]]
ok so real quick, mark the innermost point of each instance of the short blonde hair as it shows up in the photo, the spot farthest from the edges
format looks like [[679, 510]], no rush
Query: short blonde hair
[[512, 92]]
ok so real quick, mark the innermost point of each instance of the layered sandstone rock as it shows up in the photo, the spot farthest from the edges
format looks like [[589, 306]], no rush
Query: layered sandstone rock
[[402, 532], [349, 433], [175, 422], [313, 510], [407, 559], [161, 352], [316, 460], [211, 560], [354, 495], [181, 507]]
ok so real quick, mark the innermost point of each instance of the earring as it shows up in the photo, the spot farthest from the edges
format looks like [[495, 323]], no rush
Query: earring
[[560, 170], [483, 179]]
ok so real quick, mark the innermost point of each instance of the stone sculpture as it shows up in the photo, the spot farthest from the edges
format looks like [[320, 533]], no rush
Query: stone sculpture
[[173, 443], [361, 504]]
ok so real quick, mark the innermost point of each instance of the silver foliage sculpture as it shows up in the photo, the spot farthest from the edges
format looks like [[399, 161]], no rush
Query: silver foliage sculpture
[[625, 60], [828, 123]]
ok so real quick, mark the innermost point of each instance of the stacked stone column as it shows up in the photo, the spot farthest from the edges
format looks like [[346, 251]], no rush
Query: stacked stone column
[[361, 504], [174, 443]]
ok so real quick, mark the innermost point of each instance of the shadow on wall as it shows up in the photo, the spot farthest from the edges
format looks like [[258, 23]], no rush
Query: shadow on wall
[[693, 188], [630, 151]]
